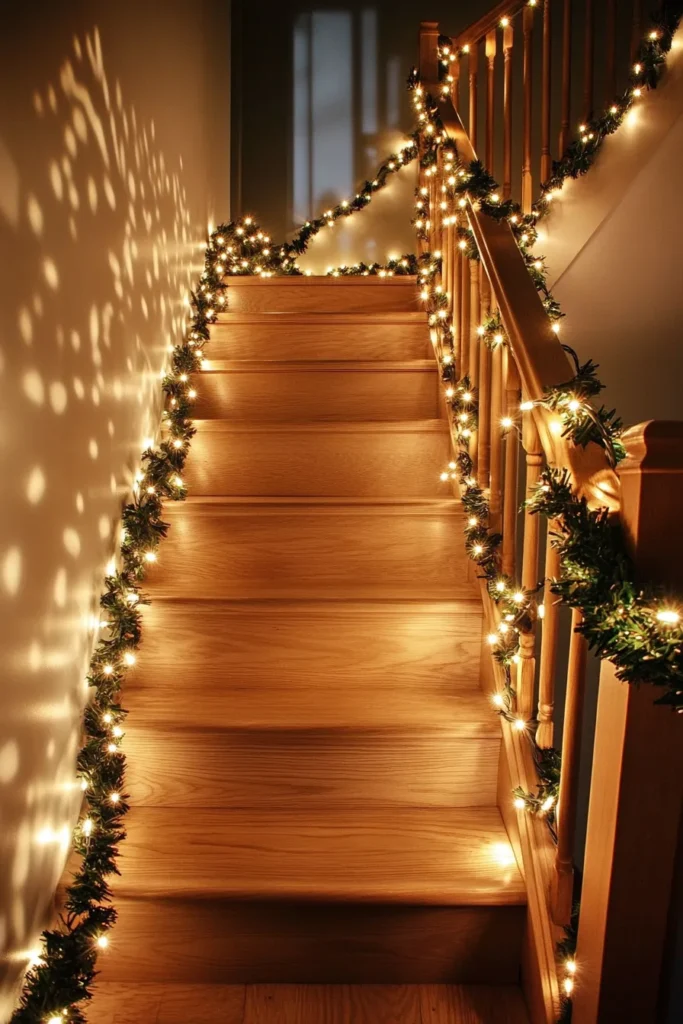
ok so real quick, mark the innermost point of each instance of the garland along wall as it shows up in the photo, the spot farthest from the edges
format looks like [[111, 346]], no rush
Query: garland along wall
[[113, 156], [614, 251]]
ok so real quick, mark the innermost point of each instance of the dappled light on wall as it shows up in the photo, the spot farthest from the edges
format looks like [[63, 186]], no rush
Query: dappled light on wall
[[98, 251]]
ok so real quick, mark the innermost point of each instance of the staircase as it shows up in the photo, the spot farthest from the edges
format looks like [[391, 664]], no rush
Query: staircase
[[314, 834]]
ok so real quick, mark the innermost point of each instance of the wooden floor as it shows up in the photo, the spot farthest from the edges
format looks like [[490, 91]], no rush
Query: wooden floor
[[308, 1004], [314, 834]]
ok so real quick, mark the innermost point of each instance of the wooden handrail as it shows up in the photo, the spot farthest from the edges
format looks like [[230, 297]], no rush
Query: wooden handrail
[[539, 356], [476, 32]]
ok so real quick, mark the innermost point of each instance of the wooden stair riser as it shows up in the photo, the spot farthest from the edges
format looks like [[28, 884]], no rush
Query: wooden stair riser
[[305, 553], [321, 295], [307, 337], [215, 941], [279, 393], [310, 768], [416, 650], [333, 462]]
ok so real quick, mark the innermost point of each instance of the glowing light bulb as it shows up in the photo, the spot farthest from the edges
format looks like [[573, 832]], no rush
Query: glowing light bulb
[[520, 724], [492, 639], [504, 22], [519, 803], [478, 549], [497, 700], [541, 611], [114, 797], [568, 985], [107, 669], [467, 396], [668, 616], [526, 406], [192, 393], [500, 586], [117, 731], [518, 597], [494, 197], [178, 481], [506, 422], [614, 110], [574, 405], [87, 826], [177, 443], [102, 941], [112, 748], [570, 966], [444, 477], [108, 718], [472, 521], [150, 556], [547, 804], [129, 658]]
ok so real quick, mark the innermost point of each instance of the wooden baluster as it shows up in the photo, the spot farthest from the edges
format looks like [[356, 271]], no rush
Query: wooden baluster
[[495, 502], [490, 98], [546, 162], [466, 318], [566, 75], [510, 503], [588, 62], [610, 52], [475, 314], [549, 638], [473, 55], [484, 429], [422, 181], [563, 877], [527, 181], [507, 111], [636, 27], [534, 462]]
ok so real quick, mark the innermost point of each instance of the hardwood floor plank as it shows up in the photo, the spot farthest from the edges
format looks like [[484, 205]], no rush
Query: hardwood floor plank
[[332, 1004], [152, 1003], [472, 1004]]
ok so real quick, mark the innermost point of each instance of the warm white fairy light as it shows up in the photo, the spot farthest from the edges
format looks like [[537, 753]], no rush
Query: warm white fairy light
[[102, 941], [129, 658], [150, 556], [668, 616]]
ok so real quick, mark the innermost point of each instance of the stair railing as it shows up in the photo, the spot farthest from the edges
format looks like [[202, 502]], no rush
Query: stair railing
[[579, 73], [515, 425]]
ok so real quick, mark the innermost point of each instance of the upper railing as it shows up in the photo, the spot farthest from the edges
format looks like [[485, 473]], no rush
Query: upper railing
[[508, 359], [581, 61]]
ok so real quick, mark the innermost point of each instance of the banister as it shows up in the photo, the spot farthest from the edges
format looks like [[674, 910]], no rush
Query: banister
[[540, 358], [475, 32]]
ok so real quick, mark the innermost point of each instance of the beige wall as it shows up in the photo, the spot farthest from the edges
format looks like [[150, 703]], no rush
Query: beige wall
[[114, 135], [615, 248], [372, 235]]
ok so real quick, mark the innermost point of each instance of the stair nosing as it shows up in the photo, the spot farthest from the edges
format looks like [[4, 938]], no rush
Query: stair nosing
[[428, 426], [319, 366]]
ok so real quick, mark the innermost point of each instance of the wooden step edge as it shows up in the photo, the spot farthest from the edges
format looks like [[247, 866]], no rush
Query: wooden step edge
[[227, 505], [318, 280], [483, 725], [336, 607], [317, 366], [328, 317], [314, 892], [219, 426]]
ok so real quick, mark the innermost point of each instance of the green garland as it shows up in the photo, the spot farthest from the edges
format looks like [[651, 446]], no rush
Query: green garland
[[60, 977], [645, 73]]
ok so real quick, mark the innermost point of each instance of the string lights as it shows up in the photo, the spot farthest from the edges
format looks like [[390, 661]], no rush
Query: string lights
[[638, 628]]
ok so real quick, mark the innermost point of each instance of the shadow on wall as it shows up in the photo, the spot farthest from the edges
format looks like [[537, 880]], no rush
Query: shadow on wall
[[97, 256]]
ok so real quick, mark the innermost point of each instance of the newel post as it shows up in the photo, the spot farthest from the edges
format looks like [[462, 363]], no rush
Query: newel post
[[429, 44], [634, 818]]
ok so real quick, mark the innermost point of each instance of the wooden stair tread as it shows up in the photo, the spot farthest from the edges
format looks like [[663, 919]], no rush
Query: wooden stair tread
[[318, 366], [318, 317], [289, 654], [236, 504], [316, 427], [224, 766], [202, 705], [426, 856], [164, 1003]]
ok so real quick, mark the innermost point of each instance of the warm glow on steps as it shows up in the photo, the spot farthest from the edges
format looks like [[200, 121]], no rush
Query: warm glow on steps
[[313, 767]]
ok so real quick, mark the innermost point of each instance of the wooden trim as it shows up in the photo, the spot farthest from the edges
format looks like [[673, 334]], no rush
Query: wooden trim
[[490, 21], [636, 802]]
